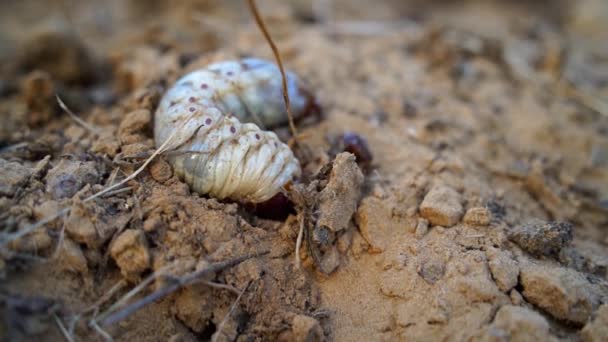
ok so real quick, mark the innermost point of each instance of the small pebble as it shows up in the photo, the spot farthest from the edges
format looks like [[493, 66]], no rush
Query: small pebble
[[442, 206], [421, 228], [541, 238], [478, 216]]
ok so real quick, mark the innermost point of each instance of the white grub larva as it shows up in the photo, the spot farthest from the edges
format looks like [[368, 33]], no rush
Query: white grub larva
[[220, 149]]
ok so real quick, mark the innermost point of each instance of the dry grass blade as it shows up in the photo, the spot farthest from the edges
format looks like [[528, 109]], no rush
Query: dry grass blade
[[277, 56], [75, 117], [63, 330], [299, 241], [220, 327]]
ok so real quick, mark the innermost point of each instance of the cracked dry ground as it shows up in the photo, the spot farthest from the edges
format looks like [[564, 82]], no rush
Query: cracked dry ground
[[482, 218]]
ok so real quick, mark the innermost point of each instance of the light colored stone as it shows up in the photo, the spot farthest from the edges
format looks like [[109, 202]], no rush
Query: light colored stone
[[505, 270], [597, 329], [421, 228], [522, 324], [442, 206], [562, 292]]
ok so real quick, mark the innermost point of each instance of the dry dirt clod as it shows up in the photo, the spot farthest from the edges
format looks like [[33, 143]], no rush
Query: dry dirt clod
[[431, 270], [515, 323], [14, 176], [541, 238], [80, 226], [478, 216], [338, 200], [305, 329], [134, 126], [597, 329], [69, 176], [37, 90], [194, 306], [564, 293], [161, 171], [505, 270], [33, 243], [131, 253], [442, 206], [71, 257]]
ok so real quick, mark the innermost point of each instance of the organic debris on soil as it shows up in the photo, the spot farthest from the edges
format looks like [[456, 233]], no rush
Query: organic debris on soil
[[475, 206]]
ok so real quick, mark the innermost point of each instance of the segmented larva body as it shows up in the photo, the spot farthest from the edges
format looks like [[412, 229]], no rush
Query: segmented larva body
[[219, 149]]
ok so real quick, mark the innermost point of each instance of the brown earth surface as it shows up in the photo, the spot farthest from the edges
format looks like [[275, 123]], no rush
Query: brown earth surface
[[483, 215]]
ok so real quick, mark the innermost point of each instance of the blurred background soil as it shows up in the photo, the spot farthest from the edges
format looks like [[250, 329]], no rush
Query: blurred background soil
[[483, 215]]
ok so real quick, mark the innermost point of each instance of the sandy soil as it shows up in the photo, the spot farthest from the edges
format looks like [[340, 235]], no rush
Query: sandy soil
[[483, 215]]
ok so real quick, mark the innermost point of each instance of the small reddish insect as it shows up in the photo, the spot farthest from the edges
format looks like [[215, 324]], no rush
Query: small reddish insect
[[221, 149]]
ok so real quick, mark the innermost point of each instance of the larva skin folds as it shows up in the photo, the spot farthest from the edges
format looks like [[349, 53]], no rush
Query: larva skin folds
[[216, 151]]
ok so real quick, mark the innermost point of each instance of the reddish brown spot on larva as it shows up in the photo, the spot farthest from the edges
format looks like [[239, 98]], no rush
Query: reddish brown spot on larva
[[257, 136], [232, 129], [191, 109], [208, 121], [192, 99], [204, 86]]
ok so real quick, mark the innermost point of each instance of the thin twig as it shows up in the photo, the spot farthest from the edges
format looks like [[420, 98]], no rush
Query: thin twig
[[59, 243], [180, 282], [222, 286], [64, 331], [119, 285], [232, 307], [299, 241], [118, 191], [133, 292], [100, 331], [277, 56], [75, 117]]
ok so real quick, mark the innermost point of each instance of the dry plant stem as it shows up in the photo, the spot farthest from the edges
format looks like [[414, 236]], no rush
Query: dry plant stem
[[277, 56], [299, 242], [149, 279], [230, 311], [75, 117], [64, 331], [180, 282], [101, 332], [119, 285], [222, 286]]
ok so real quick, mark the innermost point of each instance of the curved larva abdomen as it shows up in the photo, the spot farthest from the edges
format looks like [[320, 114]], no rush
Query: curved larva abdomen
[[249, 89], [214, 152]]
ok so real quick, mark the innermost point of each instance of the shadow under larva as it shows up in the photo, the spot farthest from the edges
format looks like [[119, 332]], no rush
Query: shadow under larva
[[222, 112]]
